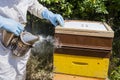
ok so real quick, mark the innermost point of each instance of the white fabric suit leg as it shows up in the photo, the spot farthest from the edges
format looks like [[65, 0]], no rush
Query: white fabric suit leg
[[12, 67]]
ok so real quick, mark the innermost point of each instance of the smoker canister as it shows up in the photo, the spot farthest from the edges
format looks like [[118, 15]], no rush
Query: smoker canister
[[21, 45]]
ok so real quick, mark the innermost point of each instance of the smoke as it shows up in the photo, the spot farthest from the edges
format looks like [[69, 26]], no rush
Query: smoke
[[45, 46]]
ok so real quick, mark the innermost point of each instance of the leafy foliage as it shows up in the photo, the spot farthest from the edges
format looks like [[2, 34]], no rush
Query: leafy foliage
[[76, 9], [115, 69]]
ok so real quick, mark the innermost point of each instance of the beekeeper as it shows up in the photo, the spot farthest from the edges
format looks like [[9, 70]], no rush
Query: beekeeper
[[13, 19]]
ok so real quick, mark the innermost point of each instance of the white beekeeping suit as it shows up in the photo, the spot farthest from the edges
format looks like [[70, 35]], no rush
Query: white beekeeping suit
[[13, 67], [17, 9]]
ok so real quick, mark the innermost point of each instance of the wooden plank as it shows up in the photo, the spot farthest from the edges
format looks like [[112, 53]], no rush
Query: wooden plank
[[85, 41], [83, 52], [84, 32], [71, 77], [108, 27], [63, 30]]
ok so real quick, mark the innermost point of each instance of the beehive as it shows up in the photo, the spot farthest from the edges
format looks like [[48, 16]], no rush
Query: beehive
[[86, 47]]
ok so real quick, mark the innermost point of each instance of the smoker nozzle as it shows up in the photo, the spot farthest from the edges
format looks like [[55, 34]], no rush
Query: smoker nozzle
[[28, 38]]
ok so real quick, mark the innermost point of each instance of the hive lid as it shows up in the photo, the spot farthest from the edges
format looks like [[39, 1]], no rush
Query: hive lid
[[88, 28]]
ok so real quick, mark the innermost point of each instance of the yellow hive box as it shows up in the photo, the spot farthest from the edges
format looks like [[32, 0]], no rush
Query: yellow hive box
[[81, 65]]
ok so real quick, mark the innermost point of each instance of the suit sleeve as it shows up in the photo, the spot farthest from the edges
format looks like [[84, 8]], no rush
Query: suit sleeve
[[36, 8]]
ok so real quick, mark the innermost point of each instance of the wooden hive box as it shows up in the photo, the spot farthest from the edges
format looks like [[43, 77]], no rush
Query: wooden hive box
[[85, 50]]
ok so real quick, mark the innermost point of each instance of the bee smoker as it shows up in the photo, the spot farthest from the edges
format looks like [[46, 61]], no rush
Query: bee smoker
[[19, 44]]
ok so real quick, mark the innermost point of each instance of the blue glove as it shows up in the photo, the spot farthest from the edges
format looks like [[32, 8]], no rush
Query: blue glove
[[55, 19], [11, 25]]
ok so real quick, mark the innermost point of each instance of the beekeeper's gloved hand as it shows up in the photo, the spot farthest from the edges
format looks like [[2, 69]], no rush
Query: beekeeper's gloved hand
[[11, 25], [55, 19]]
